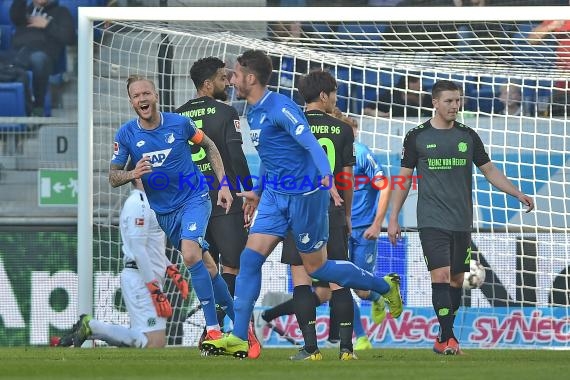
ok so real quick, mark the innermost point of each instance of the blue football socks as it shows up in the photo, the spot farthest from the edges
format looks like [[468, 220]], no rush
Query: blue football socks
[[248, 286], [348, 275], [203, 287]]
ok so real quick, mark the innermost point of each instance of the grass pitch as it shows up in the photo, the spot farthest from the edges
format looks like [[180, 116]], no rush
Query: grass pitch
[[186, 363]]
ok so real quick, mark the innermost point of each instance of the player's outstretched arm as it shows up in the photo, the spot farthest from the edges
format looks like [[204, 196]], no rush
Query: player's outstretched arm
[[214, 157], [250, 203], [375, 228], [501, 182], [399, 195], [348, 197]]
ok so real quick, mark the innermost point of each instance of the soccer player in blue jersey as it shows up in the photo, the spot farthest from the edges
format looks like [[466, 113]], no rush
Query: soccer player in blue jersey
[[443, 151], [318, 89], [225, 234], [368, 211], [176, 189], [295, 175], [369, 206]]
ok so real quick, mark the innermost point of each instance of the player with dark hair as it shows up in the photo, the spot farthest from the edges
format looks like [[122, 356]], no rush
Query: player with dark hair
[[443, 151], [225, 234], [294, 170], [318, 89], [157, 142], [368, 211]]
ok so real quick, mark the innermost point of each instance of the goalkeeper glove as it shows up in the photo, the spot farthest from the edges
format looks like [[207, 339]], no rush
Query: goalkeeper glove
[[161, 303], [173, 272]]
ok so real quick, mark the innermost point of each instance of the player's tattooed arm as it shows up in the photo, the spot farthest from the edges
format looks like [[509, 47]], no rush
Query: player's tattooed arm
[[118, 176], [225, 198], [214, 157]]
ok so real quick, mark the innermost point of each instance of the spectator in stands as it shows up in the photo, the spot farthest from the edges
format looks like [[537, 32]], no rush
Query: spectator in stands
[[561, 30], [491, 37], [43, 29], [285, 30], [337, 3], [511, 97], [442, 3], [471, 3], [406, 100]]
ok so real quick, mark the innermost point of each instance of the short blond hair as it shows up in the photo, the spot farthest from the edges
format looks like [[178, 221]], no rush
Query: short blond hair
[[347, 119], [137, 78]]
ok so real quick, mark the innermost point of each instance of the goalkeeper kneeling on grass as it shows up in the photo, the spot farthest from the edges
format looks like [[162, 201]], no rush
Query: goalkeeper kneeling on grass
[[146, 267], [142, 279]]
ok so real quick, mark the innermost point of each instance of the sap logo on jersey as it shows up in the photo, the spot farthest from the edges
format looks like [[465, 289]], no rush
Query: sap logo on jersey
[[254, 135], [158, 157]]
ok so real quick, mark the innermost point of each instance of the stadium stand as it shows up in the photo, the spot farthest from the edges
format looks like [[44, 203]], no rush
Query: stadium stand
[[12, 98]]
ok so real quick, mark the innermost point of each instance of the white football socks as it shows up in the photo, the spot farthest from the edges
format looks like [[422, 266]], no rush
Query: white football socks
[[117, 335]]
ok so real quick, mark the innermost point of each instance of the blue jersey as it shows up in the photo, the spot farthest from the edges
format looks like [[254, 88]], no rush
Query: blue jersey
[[292, 158], [365, 197], [174, 178]]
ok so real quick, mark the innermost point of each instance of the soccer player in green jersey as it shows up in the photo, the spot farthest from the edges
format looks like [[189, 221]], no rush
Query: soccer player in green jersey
[[443, 152]]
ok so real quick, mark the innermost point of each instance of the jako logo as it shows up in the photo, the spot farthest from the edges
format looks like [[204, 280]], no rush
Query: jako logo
[[158, 157]]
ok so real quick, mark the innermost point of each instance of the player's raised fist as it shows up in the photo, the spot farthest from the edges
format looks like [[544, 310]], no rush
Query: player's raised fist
[[142, 167]]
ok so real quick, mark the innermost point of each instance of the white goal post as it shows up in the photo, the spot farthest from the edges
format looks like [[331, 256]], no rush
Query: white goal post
[[525, 301]]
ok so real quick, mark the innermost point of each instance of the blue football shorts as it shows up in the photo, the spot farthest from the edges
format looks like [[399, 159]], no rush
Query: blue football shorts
[[188, 222], [362, 251], [306, 215]]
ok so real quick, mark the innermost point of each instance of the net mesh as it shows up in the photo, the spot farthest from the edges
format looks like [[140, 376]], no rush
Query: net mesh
[[525, 254]]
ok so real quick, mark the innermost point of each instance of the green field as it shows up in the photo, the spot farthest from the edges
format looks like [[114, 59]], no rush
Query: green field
[[180, 363]]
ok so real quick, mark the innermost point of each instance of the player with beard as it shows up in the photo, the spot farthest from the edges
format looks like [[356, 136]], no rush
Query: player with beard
[[158, 143], [293, 194], [226, 233]]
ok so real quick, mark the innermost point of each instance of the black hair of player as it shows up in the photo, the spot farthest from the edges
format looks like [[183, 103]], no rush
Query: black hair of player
[[257, 63], [204, 69], [443, 85], [311, 85]]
